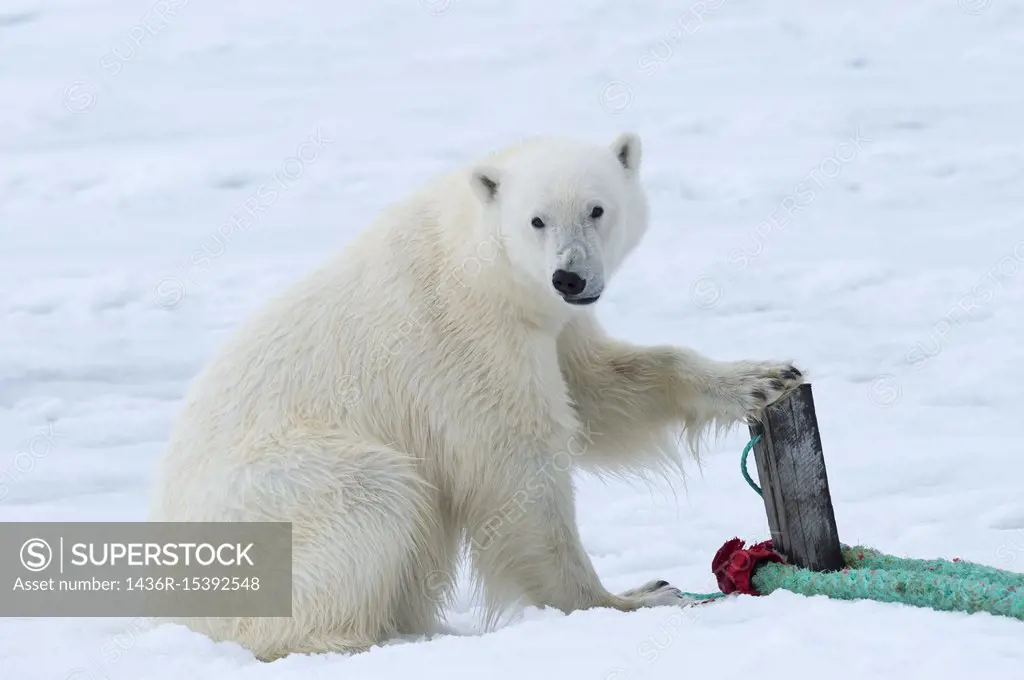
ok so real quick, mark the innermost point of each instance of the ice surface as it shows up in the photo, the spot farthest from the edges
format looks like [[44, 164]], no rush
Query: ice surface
[[133, 132]]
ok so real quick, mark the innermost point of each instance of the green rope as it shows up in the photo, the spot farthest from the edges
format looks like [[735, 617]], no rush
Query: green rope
[[943, 585], [743, 464], [703, 597], [959, 587], [869, 558]]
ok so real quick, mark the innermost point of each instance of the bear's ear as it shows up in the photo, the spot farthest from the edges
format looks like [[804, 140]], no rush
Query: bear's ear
[[485, 181], [627, 149]]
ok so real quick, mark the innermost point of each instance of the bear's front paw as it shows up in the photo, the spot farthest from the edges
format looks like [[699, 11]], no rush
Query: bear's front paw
[[656, 594], [754, 385]]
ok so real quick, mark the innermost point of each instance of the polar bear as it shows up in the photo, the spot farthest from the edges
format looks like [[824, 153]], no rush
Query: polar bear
[[427, 393]]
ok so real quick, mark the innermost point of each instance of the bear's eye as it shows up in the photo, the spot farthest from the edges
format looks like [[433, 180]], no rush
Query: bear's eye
[[537, 223], [596, 212]]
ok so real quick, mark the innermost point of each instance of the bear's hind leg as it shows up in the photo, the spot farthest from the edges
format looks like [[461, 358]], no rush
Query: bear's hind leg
[[368, 546]]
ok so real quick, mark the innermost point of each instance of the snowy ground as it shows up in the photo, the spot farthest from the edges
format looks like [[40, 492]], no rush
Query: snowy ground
[[134, 132]]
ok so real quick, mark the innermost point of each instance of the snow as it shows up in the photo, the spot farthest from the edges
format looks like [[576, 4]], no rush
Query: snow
[[135, 132]]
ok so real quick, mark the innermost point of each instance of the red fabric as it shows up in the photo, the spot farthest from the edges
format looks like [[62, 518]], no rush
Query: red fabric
[[734, 565]]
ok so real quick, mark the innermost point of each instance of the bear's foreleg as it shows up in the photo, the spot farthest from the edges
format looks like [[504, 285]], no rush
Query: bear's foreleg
[[525, 545], [631, 398]]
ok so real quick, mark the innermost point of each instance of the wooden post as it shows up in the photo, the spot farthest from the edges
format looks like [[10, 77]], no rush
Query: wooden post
[[791, 469]]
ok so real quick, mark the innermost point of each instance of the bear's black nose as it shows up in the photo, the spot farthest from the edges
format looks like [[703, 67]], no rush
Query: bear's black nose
[[568, 283]]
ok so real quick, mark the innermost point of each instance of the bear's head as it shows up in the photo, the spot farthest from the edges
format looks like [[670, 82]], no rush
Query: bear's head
[[568, 213]]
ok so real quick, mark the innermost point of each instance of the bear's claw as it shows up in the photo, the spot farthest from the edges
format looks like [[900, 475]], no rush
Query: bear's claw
[[754, 385]]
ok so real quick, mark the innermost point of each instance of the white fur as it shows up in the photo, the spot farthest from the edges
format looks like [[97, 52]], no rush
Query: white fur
[[428, 389]]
